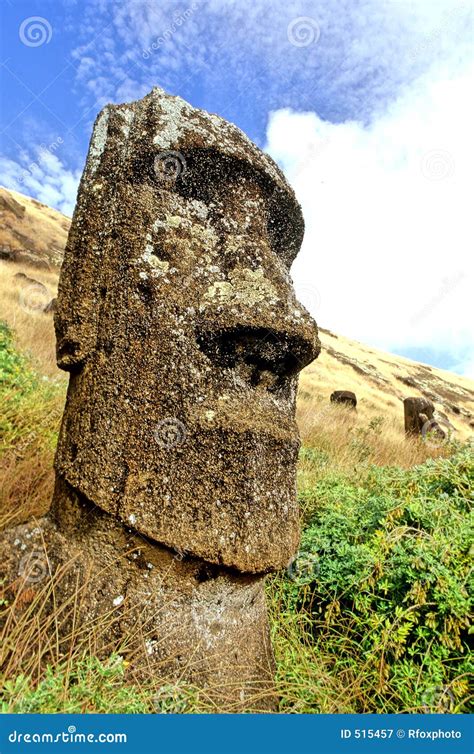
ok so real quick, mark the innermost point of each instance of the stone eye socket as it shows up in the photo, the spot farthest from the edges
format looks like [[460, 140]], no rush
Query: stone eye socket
[[208, 175]]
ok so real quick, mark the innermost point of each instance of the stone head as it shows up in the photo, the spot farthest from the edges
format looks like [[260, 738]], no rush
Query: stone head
[[178, 322]]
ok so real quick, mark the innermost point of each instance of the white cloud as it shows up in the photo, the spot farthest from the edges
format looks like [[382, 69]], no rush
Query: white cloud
[[465, 368], [43, 176], [236, 58], [388, 217], [386, 252]]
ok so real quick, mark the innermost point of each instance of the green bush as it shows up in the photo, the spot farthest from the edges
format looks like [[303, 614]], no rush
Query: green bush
[[388, 595], [14, 371], [31, 404], [371, 617], [88, 686]]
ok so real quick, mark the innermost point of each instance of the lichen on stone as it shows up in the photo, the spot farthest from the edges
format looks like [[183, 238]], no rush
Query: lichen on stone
[[98, 142]]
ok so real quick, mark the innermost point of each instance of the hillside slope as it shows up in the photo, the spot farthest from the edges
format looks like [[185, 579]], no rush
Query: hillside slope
[[31, 231], [380, 380]]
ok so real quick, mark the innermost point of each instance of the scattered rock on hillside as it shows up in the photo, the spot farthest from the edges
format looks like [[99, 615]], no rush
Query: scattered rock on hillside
[[346, 397], [418, 411], [421, 418]]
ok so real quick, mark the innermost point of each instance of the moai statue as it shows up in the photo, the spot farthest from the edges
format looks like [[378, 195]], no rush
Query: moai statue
[[177, 320], [418, 412], [346, 397], [421, 418]]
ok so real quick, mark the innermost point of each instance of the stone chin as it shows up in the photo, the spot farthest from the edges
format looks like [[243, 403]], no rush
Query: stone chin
[[215, 479]]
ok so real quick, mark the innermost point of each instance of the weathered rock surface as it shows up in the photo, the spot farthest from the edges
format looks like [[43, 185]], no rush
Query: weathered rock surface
[[177, 319], [420, 417], [178, 616], [383, 379], [346, 397]]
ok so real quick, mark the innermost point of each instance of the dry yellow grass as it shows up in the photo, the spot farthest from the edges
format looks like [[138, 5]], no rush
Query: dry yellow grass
[[21, 307], [376, 379], [32, 618], [27, 485], [349, 439], [334, 437]]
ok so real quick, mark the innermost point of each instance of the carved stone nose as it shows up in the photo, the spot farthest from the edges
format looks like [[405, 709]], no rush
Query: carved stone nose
[[252, 323], [265, 356]]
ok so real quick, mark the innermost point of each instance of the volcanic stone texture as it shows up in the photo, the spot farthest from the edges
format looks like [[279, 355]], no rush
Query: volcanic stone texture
[[173, 618], [346, 397], [418, 411], [177, 320]]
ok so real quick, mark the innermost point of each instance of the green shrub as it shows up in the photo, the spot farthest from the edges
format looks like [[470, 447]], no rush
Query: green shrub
[[371, 617], [89, 686], [388, 600], [31, 404], [14, 371]]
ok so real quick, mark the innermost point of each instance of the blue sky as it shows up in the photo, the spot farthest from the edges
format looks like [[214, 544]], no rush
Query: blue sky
[[362, 102]]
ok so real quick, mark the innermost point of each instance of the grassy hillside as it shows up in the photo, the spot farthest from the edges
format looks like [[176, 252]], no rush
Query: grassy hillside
[[372, 616], [32, 229], [380, 380], [32, 415]]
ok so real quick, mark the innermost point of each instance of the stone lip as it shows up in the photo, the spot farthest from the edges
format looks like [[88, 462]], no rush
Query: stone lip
[[235, 507]]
